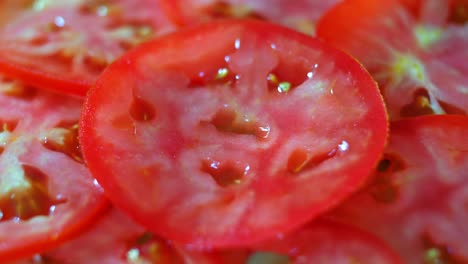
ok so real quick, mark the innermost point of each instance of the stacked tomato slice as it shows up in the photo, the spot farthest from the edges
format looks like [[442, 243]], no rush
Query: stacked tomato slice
[[217, 132]]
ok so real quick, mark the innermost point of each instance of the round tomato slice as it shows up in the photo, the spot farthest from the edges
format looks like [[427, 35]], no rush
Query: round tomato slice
[[417, 201], [116, 239], [299, 14], [46, 193], [325, 242], [415, 51], [65, 45], [231, 132]]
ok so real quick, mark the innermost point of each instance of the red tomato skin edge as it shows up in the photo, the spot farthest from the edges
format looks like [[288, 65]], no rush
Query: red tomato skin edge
[[42, 80], [346, 62], [49, 243]]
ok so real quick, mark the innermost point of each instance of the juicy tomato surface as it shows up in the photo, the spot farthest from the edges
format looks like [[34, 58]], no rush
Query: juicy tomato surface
[[299, 14], [325, 242], [116, 239], [46, 193], [416, 50], [417, 200], [233, 131], [65, 45]]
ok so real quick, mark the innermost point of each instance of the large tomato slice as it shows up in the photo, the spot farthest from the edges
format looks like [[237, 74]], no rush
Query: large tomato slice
[[64, 45], [231, 132], [115, 239], [299, 14], [418, 200], [325, 242], [46, 192], [415, 50]]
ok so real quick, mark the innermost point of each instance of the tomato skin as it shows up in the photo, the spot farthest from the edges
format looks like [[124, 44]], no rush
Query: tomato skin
[[415, 198], [171, 53]]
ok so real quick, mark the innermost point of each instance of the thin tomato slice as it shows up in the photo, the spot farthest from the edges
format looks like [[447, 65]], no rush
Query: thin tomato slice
[[231, 132], [116, 239], [417, 201], [325, 242], [414, 49], [47, 194], [65, 45], [299, 14]]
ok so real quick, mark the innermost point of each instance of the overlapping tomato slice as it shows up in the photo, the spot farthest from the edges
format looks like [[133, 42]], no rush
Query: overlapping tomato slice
[[64, 45], [418, 199], [416, 50], [47, 194], [230, 132], [325, 242], [116, 239], [299, 14]]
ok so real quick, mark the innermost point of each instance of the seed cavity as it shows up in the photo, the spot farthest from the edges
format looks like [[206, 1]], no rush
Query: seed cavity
[[225, 174], [302, 159], [147, 248], [6, 128], [17, 90], [228, 120], [459, 13], [221, 9], [383, 188], [141, 110], [275, 84], [267, 258], [64, 138], [28, 199], [420, 105], [436, 253]]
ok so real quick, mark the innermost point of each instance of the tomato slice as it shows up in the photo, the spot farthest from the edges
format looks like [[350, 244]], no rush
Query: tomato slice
[[414, 49], [47, 194], [116, 239], [324, 242], [65, 45], [418, 199], [299, 14], [233, 131]]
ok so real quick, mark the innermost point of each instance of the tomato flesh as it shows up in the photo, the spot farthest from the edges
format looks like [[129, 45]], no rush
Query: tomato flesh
[[196, 137]]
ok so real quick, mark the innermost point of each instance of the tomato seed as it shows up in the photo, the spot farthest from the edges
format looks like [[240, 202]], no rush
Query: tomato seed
[[420, 105], [228, 120], [301, 159]]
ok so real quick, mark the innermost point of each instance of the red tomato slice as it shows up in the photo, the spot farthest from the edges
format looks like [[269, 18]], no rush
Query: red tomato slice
[[47, 194], [325, 242], [64, 45], [299, 14], [115, 239], [418, 199], [417, 55], [230, 132]]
